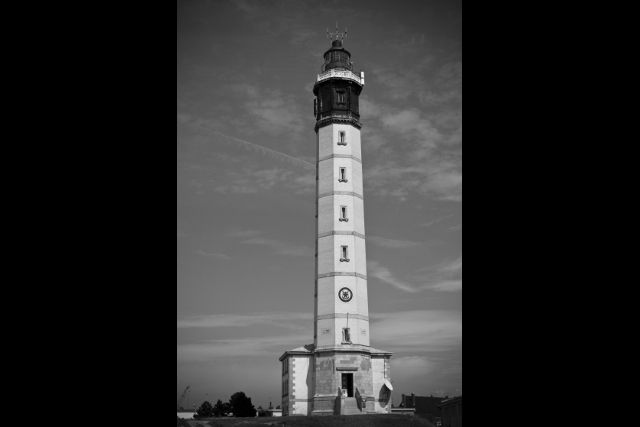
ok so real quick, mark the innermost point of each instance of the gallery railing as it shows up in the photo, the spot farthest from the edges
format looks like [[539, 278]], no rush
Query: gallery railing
[[345, 74]]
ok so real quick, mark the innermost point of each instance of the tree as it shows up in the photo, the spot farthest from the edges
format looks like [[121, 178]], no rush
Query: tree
[[241, 405], [221, 409], [205, 410]]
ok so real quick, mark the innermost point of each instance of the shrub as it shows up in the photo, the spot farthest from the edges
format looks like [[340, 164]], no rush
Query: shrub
[[241, 405], [265, 413]]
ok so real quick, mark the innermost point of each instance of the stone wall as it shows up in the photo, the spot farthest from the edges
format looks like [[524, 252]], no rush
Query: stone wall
[[329, 369]]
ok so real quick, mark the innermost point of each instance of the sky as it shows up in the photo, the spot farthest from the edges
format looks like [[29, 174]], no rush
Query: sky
[[246, 188]]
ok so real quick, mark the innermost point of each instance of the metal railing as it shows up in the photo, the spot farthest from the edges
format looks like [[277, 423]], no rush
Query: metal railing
[[345, 74]]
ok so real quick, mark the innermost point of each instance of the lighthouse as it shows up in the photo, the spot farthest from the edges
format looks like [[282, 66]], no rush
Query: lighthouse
[[340, 373]]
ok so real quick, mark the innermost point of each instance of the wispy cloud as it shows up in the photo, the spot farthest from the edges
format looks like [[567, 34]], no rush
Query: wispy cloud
[[274, 343], [243, 233], [433, 83], [446, 277], [439, 176], [301, 35], [428, 370], [412, 124], [446, 285], [391, 243], [282, 319], [374, 269], [412, 331], [248, 181], [241, 347], [206, 126], [426, 159], [214, 255], [432, 330], [430, 223], [270, 109], [235, 189], [278, 246]]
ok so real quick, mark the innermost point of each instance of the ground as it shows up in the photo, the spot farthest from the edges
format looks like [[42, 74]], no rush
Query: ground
[[328, 421]]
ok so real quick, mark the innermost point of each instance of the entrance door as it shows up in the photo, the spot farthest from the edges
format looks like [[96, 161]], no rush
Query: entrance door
[[347, 383]]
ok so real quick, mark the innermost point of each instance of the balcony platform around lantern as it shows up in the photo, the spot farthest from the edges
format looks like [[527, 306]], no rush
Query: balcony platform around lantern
[[339, 74]]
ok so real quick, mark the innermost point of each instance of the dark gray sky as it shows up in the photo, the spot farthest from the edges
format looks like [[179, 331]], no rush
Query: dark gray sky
[[246, 188]]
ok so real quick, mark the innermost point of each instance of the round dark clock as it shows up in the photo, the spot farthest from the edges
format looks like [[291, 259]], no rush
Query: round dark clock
[[345, 294]]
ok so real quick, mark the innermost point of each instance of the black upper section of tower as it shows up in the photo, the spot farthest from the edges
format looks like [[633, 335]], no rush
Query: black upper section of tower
[[337, 97]]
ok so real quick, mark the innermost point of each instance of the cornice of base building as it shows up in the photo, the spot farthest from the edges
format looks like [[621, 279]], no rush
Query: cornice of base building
[[352, 348]]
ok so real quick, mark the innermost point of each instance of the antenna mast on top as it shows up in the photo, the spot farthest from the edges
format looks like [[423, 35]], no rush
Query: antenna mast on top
[[337, 34]]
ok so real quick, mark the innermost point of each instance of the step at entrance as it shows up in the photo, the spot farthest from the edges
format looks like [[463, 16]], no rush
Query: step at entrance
[[351, 406]]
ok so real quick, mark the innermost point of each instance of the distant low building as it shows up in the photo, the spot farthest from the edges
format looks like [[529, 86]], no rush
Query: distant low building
[[186, 414], [425, 406], [276, 412], [403, 411], [452, 412]]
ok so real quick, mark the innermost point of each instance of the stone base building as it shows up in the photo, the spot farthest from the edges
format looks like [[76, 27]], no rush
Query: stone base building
[[336, 382]]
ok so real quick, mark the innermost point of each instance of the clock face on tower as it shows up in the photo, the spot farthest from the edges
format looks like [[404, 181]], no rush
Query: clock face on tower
[[345, 294]]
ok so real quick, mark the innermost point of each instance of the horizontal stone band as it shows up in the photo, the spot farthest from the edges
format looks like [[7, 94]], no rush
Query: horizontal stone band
[[342, 316], [341, 193], [353, 348], [342, 156], [341, 273], [347, 233]]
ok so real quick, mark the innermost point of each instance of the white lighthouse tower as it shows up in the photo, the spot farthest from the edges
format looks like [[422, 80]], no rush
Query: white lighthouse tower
[[339, 373]]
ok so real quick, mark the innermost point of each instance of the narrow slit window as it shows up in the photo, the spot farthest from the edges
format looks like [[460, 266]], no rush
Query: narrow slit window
[[344, 255], [343, 213], [341, 138], [346, 336], [342, 175]]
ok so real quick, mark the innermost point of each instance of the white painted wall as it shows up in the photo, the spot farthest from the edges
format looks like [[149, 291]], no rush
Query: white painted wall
[[300, 386], [378, 364], [328, 138]]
